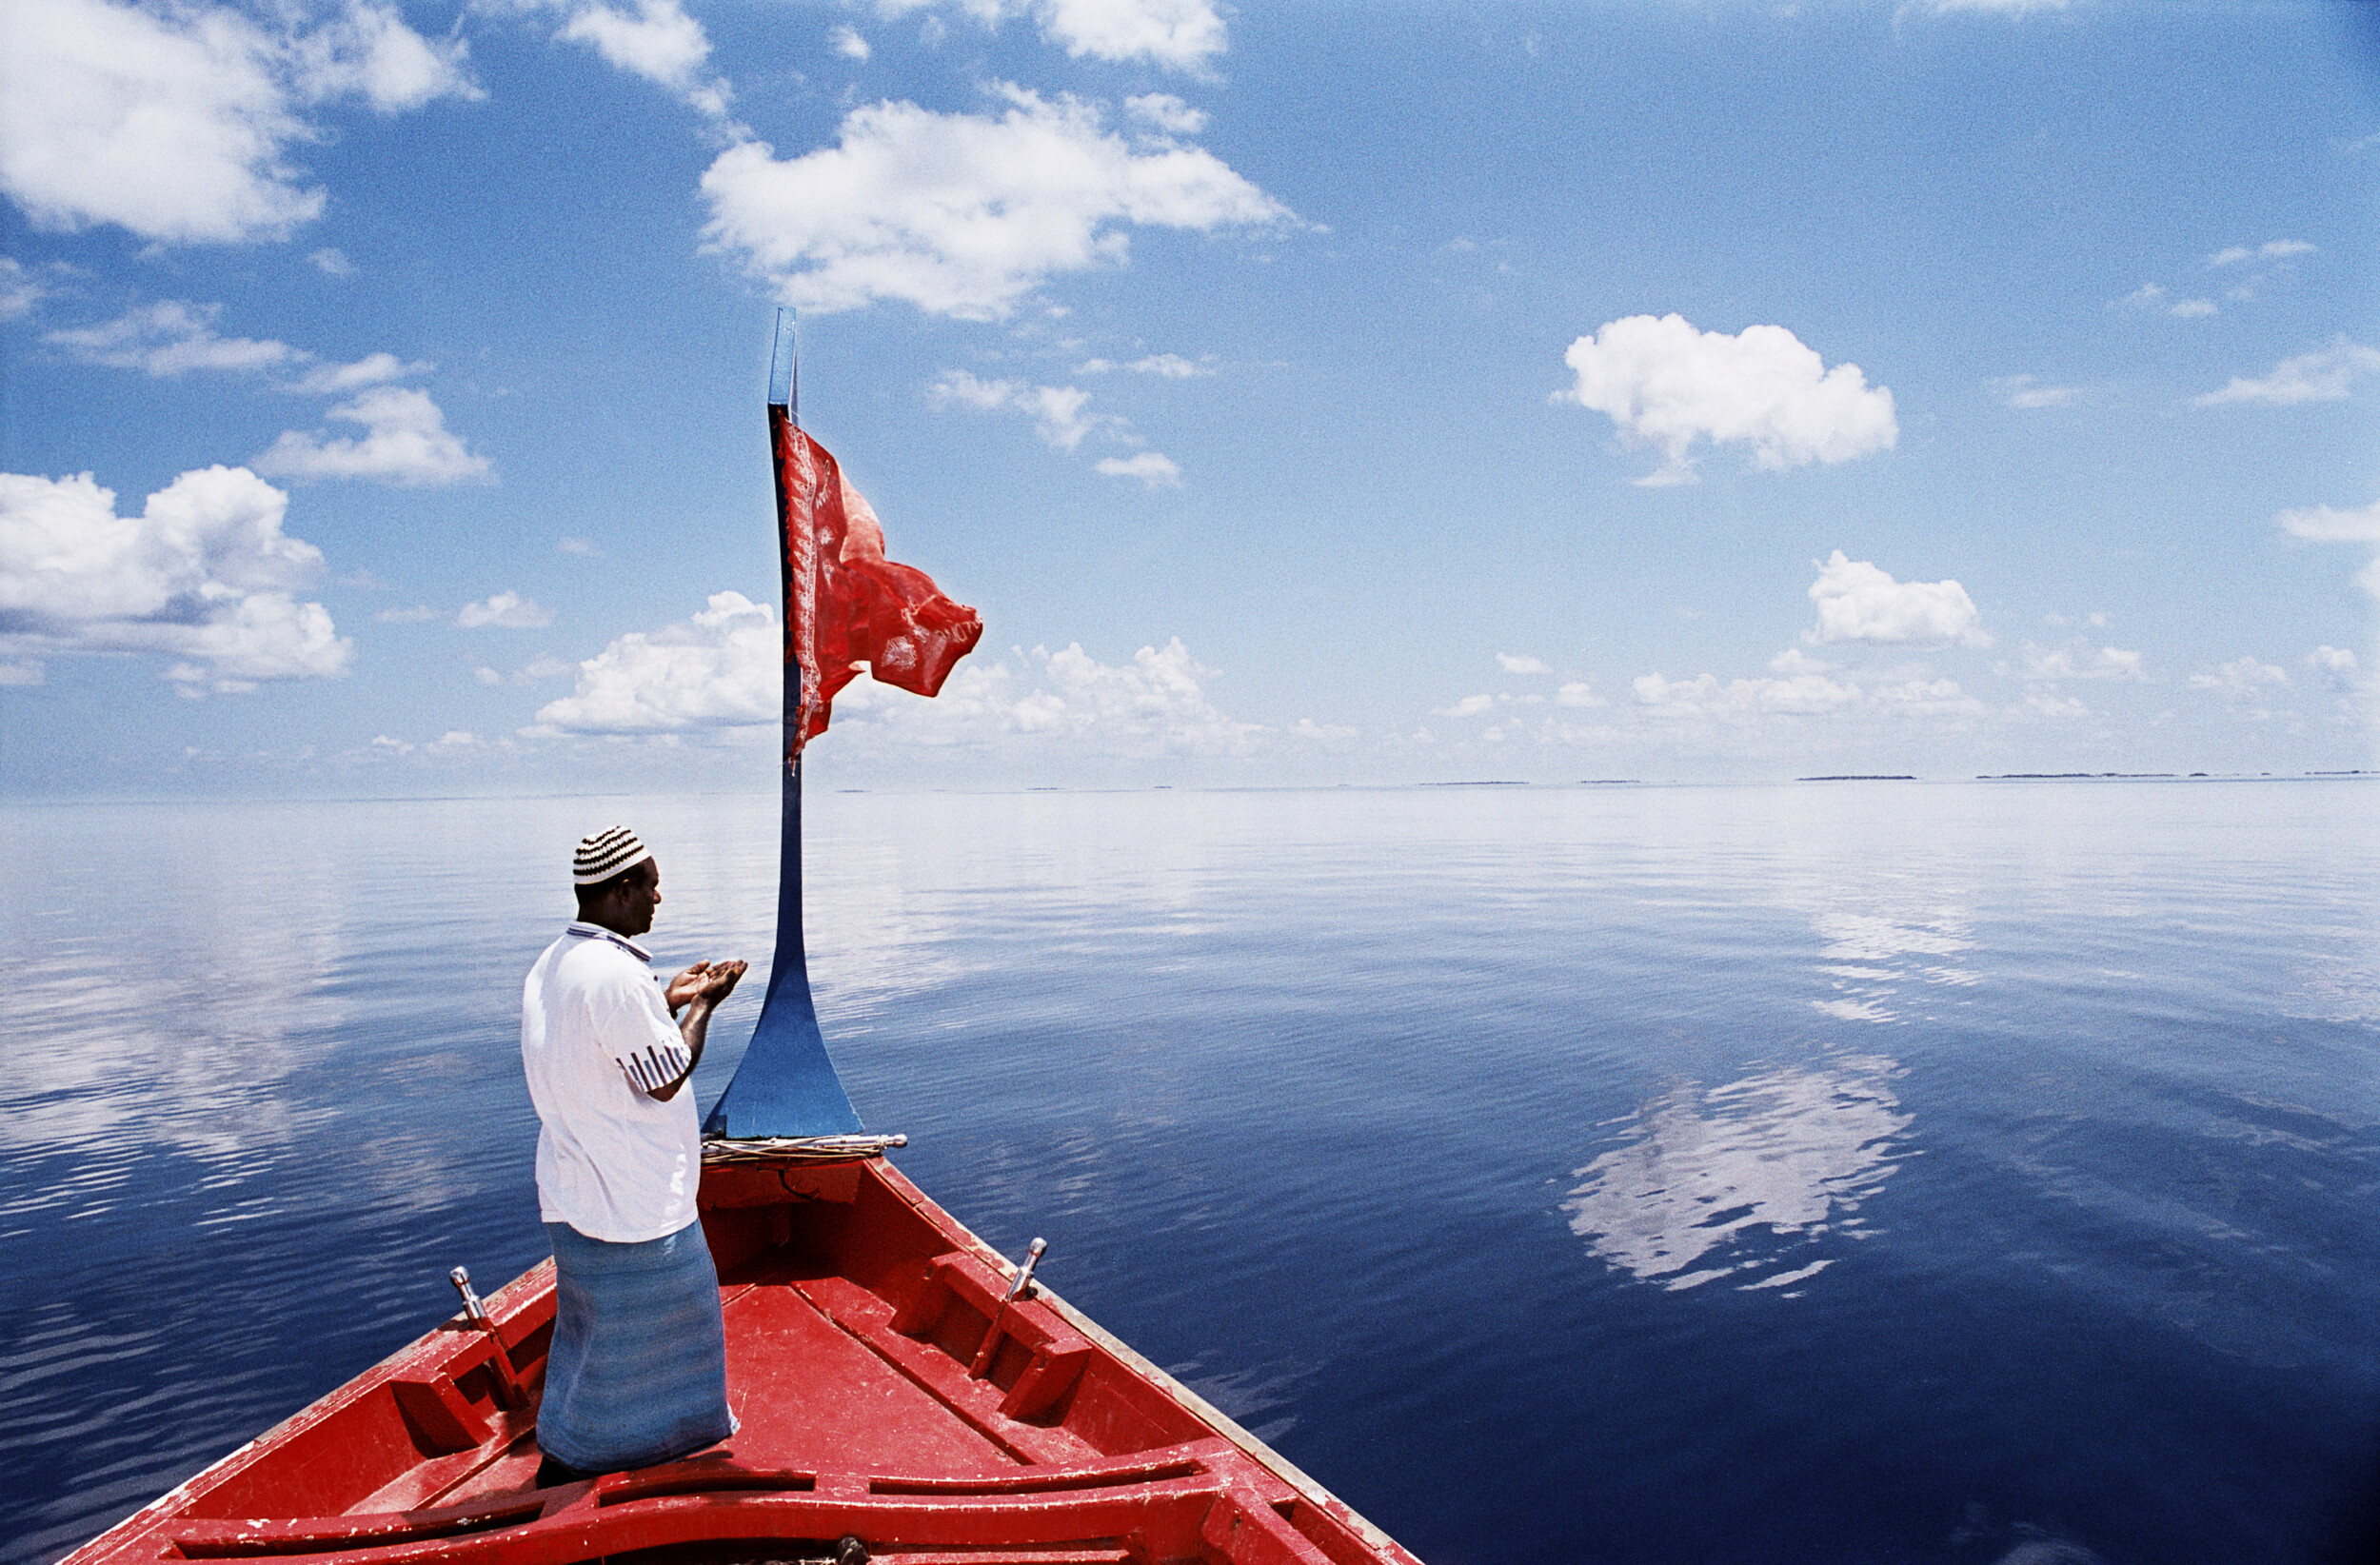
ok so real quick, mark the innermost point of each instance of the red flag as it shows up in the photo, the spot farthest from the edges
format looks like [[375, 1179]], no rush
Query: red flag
[[845, 603]]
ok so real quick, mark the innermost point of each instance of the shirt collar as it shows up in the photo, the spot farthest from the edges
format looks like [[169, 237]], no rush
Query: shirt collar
[[597, 932]]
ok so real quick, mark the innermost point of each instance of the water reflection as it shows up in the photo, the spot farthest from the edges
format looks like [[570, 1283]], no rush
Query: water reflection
[[1745, 1177]]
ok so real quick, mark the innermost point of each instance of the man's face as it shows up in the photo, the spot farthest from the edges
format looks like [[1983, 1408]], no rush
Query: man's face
[[640, 893]]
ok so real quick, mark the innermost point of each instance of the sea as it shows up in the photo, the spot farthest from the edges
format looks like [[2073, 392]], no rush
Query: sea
[[1832, 1172]]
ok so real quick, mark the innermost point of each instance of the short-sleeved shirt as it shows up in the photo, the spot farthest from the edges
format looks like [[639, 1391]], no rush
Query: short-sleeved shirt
[[613, 1161]]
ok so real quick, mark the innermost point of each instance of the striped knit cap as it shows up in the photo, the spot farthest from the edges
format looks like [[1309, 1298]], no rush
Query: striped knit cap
[[605, 854]]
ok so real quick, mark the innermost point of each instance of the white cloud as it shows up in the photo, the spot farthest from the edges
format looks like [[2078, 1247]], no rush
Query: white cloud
[[1794, 661], [1056, 411], [580, 546], [2026, 391], [176, 124], [1184, 35], [405, 442], [1524, 664], [367, 51], [1468, 706], [960, 214], [2241, 678], [1663, 383], [723, 668], [2320, 376], [172, 338], [204, 575], [506, 612], [657, 41], [1705, 697], [2271, 250], [1171, 366], [1579, 693], [19, 293], [1165, 112], [372, 369], [1153, 468], [2327, 524], [333, 262], [2336, 665], [2156, 296], [2078, 661], [846, 42], [1859, 603]]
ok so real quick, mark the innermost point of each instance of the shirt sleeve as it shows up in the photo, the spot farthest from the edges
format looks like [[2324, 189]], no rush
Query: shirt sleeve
[[640, 1037]]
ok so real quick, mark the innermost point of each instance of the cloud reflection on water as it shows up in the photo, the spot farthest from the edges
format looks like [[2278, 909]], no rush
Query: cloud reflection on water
[[1745, 1177]]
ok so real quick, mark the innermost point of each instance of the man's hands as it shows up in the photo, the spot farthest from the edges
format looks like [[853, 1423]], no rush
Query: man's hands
[[706, 980], [697, 991]]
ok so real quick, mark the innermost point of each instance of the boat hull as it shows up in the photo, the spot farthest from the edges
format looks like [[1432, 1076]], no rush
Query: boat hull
[[857, 1313]]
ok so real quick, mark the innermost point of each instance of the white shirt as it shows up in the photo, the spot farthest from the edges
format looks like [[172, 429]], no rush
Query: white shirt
[[613, 1161]]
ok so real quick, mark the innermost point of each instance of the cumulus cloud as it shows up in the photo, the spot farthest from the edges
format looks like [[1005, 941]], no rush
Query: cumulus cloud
[[1859, 603], [1579, 693], [506, 610], [333, 262], [172, 338], [176, 124], [19, 292], [846, 42], [1523, 663], [1153, 468], [1705, 697], [205, 575], [1058, 411], [2335, 666], [1181, 35], [962, 214], [1663, 383], [2329, 524], [2323, 375], [1467, 707], [2271, 250], [1171, 366], [1164, 111], [405, 442], [658, 41], [2029, 392], [2156, 296], [2077, 662], [724, 668], [1184, 35], [2241, 678]]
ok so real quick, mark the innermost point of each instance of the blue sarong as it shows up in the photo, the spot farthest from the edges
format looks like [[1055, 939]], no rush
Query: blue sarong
[[638, 1370]]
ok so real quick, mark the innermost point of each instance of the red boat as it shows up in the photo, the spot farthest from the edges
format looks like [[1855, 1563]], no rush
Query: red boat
[[903, 1394], [875, 1426]]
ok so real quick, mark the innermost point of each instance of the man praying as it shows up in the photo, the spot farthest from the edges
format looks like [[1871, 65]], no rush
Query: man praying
[[638, 1370]]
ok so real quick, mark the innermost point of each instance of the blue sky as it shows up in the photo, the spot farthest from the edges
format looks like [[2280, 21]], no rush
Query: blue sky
[[1303, 393]]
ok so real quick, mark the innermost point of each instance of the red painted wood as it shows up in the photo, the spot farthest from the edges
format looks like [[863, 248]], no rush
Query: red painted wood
[[854, 1306]]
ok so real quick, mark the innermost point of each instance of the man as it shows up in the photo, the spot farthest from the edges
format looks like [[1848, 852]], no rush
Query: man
[[638, 1370]]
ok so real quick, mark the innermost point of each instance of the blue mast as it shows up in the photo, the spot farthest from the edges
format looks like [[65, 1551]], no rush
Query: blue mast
[[786, 1085]]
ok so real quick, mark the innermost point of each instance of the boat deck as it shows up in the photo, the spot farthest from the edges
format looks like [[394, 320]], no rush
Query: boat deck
[[856, 1310]]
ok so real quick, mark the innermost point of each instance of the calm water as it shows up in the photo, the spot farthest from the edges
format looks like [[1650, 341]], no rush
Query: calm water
[[1821, 1173]]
